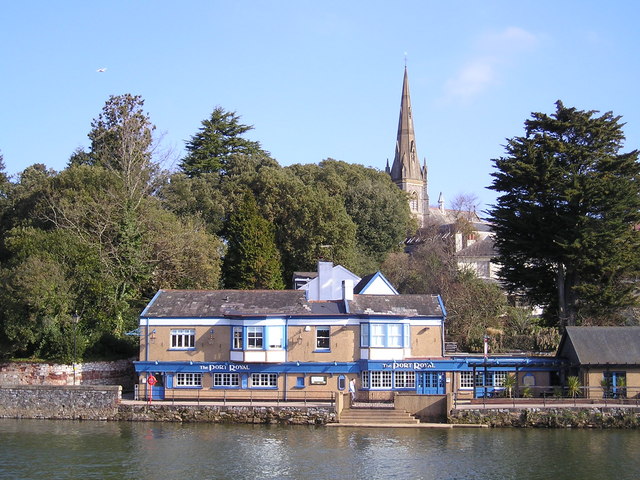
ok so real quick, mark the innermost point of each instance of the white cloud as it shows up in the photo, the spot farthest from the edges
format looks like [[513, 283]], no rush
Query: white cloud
[[495, 51]]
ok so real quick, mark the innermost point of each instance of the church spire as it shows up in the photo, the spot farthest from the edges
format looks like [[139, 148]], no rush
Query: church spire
[[406, 163], [406, 172]]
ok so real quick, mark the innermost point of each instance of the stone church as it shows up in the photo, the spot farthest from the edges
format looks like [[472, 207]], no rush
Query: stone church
[[473, 249]]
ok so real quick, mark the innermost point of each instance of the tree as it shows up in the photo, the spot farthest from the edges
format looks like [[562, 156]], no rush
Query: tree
[[121, 141], [219, 138], [566, 217], [310, 223], [252, 260], [377, 207]]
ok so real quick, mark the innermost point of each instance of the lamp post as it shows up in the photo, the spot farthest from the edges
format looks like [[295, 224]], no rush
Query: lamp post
[[75, 318]]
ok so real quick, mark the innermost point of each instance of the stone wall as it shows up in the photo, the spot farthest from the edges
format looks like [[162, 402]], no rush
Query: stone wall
[[60, 402], [227, 414], [120, 372], [565, 417]]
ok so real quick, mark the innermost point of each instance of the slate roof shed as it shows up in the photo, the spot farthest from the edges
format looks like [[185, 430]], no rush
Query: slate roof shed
[[601, 346]]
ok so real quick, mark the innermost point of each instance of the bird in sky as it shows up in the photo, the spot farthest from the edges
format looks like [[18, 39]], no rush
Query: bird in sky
[[101, 70]]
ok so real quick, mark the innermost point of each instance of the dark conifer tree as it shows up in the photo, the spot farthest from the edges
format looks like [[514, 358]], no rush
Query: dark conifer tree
[[252, 260], [219, 138], [566, 217]]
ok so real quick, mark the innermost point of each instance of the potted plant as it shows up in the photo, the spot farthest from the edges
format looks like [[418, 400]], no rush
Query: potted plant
[[573, 387]]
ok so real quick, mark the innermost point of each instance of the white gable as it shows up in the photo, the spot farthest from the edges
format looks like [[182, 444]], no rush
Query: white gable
[[328, 284], [378, 285]]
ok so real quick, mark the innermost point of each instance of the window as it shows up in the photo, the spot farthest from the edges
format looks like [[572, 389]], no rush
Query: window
[[466, 379], [188, 379], [377, 335], [493, 379], [299, 382], [264, 380], [394, 335], [364, 335], [385, 335], [254, 338], [226, 380], [184, 339], [365, 379], [237, 338], [380, 379], [405, 379], [322, 338], [499, 378]]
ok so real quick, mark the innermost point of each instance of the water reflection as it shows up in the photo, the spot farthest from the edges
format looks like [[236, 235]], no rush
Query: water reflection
[[40, 449]]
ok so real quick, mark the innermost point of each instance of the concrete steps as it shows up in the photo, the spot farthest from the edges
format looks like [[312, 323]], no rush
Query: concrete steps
[[376, 416]]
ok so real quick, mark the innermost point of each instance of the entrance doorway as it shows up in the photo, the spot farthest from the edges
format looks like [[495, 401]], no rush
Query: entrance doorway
[[430, 383]]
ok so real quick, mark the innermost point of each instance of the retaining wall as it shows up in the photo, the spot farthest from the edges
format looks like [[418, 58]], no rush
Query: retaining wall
[[120, 372], [283, 415], [88, 402], [565, 417], [92, 402]]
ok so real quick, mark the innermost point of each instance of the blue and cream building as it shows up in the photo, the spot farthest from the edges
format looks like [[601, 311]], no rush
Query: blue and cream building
[[267, 344]]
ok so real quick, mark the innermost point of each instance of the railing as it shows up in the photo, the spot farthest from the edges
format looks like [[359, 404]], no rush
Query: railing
[[229, 396], [497, 397]]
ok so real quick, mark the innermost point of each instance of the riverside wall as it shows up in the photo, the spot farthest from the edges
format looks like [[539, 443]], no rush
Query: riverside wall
[[93, 402], [282, 415], [86, 402], [119, 372], [559, 417]]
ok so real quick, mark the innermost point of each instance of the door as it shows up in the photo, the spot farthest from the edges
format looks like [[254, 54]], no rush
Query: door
[[430, 383]]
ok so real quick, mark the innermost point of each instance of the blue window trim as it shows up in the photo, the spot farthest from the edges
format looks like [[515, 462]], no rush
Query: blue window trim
[[299, 382]]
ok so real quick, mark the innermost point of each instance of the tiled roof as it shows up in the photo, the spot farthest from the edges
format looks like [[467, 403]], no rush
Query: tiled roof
[[602, 345], [405, 305], [216, 303], [219, 303]]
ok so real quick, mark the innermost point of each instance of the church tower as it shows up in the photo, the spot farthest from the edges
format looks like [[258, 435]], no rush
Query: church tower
[[406, 171]]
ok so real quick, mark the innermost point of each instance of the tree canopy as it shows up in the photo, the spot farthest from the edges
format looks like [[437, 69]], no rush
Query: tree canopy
[[567, 214], [252, 260], [219, 138]]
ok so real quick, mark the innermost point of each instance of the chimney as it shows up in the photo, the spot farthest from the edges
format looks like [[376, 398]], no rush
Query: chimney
[[347, 290], [325, 280]]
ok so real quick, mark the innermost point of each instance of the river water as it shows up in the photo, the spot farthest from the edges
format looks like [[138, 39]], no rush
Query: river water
[[46, 449]]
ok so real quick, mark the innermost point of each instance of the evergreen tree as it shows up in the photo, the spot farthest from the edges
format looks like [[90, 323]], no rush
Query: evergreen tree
[[219, 138], [252, 260], [566, 215]]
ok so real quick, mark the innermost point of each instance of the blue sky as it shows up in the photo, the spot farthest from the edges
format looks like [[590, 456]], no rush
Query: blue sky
[[317, 79]]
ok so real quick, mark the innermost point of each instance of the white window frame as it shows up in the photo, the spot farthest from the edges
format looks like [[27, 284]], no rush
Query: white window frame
[[264, 380], [394, 335], [499, 378], [404, 379], [378, 335], [325, 338], [237, 338], [466, 381], [224, 379], [255, 338], [186, 380], [381, 380], [183, 339]]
